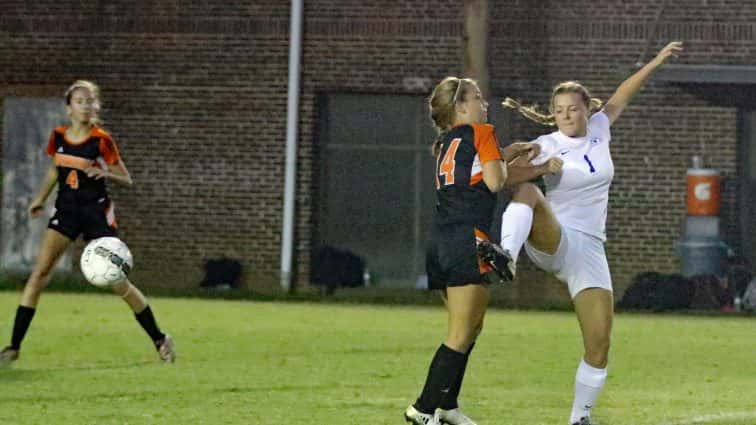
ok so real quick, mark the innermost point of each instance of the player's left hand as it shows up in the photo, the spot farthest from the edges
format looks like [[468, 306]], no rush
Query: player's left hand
[[96, 173], [673, 49]]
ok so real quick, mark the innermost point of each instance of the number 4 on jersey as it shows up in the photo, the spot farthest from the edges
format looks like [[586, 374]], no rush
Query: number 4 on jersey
[[72, 180], [446, 167]]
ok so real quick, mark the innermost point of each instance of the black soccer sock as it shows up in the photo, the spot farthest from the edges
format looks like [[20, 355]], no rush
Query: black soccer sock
[[24, 317], [147, 320], [450, 401], [443, 371]]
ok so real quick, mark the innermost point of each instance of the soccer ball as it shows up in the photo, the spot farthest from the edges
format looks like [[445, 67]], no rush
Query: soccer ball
[[106, 261]]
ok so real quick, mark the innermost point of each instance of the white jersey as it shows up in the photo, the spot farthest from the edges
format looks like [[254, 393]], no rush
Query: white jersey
[[579, 194]]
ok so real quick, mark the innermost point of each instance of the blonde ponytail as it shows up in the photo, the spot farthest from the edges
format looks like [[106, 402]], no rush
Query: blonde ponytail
[[530, 112], [595, 105]]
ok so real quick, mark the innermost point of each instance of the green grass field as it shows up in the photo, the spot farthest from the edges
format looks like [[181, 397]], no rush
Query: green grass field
[[86, 361]]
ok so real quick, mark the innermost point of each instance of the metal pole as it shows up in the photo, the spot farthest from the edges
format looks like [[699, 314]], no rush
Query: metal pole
[[287, 233]]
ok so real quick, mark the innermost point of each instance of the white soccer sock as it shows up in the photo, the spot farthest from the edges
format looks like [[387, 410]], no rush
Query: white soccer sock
[[515, 227], [588, 384]]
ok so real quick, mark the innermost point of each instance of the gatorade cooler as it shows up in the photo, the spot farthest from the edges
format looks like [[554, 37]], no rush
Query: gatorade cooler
[[703, 191], [702, 256]]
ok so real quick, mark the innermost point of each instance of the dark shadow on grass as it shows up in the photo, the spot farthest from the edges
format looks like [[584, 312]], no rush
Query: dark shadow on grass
[[100, 366], [206, 393], [10, 372]]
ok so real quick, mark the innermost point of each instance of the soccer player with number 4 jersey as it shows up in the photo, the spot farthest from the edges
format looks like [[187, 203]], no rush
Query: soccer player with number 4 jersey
[[83, 157], [564, 231]]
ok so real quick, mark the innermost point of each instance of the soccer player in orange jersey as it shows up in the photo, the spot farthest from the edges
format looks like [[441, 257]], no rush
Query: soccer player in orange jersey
[[84, 157], [469, 171]]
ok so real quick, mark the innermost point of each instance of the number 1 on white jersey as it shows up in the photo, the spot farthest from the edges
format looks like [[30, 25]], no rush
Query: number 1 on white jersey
[[590, 164]]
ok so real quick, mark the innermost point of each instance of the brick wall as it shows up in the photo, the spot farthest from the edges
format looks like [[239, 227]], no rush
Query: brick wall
[[196, 95]]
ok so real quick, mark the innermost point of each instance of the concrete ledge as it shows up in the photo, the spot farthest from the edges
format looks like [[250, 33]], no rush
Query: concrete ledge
[[708, 74]]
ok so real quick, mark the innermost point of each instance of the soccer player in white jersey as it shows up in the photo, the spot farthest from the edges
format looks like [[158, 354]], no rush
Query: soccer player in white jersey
[[563, 232]]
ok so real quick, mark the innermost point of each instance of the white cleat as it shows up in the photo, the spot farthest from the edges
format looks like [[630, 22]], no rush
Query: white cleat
[[453, 417], [8, 355], [417, 417], [167, 350]]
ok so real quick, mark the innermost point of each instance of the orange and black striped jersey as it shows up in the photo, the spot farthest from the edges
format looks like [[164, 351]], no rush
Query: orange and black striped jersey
[[71, 159], [461, 194]]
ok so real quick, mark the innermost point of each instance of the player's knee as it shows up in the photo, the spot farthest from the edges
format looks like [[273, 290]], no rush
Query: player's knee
[[598, 347], [527, 193], [38, 280], [43, 273], [598, 360], [121, 289]]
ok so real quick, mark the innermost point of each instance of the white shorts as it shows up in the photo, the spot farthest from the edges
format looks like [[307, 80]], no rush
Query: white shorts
[[580, 261]]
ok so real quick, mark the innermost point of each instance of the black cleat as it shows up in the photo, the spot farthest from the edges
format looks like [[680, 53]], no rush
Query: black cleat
[[585, 420], [499, 259]]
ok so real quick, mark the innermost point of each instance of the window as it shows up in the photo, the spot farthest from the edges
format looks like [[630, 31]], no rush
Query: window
[[747, 183], [27, 124], [376, 187]]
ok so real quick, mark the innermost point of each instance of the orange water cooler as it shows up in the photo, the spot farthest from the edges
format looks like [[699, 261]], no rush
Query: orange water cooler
[[703, 191], [701, 249]]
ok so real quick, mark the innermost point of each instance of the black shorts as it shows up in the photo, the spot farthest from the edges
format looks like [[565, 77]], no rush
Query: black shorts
[[452, 258], [93, 220]]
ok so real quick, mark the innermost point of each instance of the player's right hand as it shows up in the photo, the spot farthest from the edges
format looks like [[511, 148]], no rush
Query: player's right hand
[[518, 149], [36, 208], [553, 165]]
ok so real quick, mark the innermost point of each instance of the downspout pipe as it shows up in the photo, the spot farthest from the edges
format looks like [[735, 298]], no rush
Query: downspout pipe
[[292, 125]]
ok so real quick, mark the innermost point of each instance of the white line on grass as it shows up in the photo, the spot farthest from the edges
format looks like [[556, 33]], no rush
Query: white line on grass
[[705, 419]]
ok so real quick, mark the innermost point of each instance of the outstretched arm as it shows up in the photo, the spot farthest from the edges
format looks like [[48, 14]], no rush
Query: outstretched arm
[[621, 97]]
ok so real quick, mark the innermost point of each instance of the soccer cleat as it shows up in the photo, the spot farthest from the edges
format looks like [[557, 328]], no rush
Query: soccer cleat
[[166, 349], [499, 259], [8, 355], [585, 420], [417, 417], [453, 417]]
